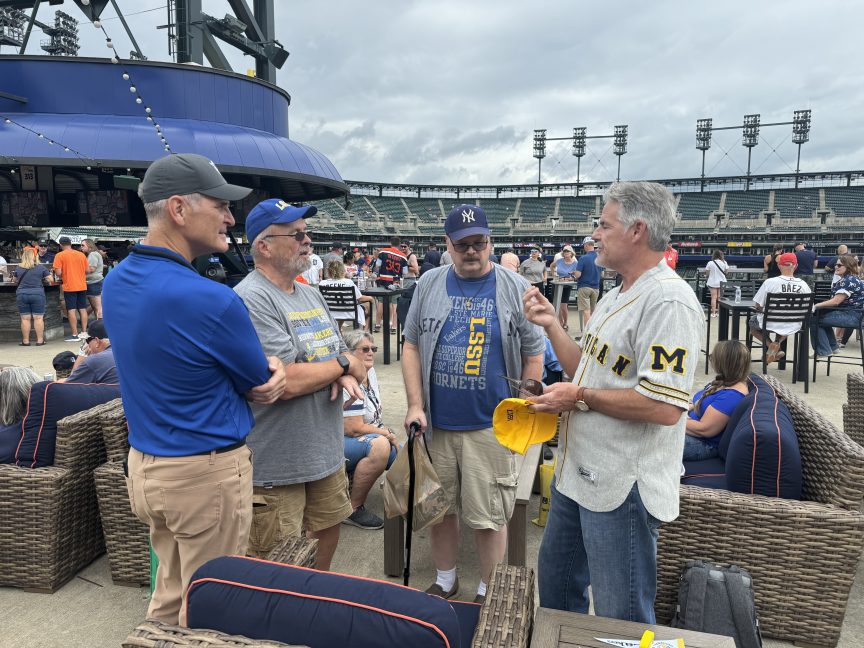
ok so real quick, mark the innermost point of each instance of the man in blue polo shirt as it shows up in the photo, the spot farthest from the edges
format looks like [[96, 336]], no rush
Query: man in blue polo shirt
[[587, 276], [186, 382]]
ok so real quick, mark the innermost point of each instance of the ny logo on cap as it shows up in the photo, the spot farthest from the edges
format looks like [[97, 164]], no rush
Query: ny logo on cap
[[468, 216]]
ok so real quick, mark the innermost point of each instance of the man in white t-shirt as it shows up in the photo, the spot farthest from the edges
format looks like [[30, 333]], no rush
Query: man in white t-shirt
[[316, 267], [785, 284]]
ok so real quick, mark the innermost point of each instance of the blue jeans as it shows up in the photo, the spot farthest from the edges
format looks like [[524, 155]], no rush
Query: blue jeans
[[615, 552], [696, 449], [358, 448], [822, 327]]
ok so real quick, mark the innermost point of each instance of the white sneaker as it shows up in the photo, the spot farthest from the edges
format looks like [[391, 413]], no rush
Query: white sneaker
[[83, 335]]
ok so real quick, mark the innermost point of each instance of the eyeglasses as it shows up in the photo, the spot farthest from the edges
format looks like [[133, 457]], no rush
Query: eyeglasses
[[90, 339], [297, 236], [479, 246], [367, 349]]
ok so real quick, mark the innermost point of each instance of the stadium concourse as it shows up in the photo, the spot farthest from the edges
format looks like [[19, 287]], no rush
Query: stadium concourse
[[91, 611]]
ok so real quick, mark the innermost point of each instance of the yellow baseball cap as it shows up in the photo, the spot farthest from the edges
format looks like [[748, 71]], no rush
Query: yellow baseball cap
[[516, 427]]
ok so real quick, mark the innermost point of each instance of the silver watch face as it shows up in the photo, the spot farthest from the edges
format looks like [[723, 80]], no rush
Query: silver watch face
[[582, 406]]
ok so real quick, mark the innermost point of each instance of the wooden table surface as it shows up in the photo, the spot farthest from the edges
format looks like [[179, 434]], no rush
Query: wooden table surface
[[557, 629]]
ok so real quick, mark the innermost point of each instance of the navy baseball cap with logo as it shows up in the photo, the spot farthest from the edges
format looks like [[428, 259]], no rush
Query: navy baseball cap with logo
[[465, 220], [274, 211]]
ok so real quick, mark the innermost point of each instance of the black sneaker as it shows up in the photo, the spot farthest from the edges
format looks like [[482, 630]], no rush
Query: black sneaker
[[364, 519]]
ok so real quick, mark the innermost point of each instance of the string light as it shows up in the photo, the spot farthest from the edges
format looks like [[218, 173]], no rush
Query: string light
[[127, 76], [66, 149]]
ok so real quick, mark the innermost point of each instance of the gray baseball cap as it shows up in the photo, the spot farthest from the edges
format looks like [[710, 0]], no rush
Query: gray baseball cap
[[185, 173]]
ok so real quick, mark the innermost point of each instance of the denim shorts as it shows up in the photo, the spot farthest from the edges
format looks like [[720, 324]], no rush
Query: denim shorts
[[94, 289], [357, 448], [30, 303], [75, 300]]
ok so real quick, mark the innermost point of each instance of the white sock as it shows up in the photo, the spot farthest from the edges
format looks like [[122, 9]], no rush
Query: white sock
[[481, 589], [446, 579]]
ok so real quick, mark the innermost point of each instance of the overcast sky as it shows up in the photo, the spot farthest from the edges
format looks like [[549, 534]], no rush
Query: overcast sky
[[450, 92]]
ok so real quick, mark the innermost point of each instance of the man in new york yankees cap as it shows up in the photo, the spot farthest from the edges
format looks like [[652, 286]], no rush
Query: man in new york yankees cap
[[464, 333]]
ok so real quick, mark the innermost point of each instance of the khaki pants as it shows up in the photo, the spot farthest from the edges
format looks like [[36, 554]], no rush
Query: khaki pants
[[198, 508]]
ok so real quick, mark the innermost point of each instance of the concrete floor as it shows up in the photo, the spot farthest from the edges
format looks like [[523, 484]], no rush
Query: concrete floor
[[92, 612]]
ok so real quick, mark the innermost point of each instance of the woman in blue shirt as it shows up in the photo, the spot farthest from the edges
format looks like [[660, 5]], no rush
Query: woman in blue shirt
[[846, 307], [564, 268], [30, 296], [714, 404]]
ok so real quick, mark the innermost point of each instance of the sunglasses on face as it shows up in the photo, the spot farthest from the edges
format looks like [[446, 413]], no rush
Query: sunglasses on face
[[479, 246], [367, 349], [297, 236]]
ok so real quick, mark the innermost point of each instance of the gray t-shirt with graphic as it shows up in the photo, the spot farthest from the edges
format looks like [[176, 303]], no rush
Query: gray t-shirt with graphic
[[297, 440]]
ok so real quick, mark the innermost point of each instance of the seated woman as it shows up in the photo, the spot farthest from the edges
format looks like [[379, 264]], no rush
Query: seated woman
[[714, 404], [843, 310], [15, 383], [334, 275], [370, 447]]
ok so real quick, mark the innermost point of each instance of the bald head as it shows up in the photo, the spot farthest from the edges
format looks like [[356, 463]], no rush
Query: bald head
[[842, 249]]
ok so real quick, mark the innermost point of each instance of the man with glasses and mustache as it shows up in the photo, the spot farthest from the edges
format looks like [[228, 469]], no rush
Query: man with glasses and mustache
[[185, 383], [464, 335], [299, 475]]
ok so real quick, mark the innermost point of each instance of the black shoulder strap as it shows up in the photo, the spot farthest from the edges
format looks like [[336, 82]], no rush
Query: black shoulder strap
[[740, 603], [719, 268], [698, 584]]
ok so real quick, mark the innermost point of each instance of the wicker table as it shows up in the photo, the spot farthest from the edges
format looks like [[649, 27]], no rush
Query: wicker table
[[554, 628]]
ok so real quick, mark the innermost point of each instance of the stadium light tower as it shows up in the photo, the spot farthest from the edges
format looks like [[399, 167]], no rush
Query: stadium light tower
[[539, 152], [750, 138], [703, 141], [578, 151], [800, 135], [619, 145]]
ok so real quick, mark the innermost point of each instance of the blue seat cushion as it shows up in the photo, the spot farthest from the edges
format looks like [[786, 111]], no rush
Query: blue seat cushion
[[760, 447], [469, 616], [48, 403], [296, 605], [708, 473]]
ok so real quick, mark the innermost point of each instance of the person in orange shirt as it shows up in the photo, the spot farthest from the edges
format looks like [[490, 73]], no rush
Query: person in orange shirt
[[71, 266]]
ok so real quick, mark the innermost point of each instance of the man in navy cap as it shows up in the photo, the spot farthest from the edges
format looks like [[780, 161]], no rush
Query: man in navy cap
[[186, 382], [298, 446], [464, 333]]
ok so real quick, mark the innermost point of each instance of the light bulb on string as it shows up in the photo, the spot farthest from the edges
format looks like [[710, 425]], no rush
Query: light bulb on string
[[66, 149], [97, 24], [109, 44], [125, 77], [148, 110], [132, 89], [85, 2], [114, 60], [150, 119], [41, 136], [138, 100]]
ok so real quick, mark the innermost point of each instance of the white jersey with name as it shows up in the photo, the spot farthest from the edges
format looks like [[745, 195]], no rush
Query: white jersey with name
[[646, 339], [786, 286]]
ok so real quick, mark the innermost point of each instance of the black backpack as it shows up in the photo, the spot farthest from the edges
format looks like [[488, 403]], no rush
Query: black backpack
[[718, 599]]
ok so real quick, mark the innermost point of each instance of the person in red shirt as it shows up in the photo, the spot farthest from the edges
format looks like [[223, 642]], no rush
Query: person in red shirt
[[671, 256], [389, 267], [71, 266]]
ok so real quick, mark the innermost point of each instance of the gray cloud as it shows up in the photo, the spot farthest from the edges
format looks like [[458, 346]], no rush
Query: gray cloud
[[440, 91]]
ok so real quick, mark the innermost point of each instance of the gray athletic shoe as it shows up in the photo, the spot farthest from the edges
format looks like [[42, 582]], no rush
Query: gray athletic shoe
[[364, 519]]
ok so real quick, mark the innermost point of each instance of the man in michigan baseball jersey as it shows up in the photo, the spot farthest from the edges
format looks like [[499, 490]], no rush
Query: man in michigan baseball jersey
[[618, 476]]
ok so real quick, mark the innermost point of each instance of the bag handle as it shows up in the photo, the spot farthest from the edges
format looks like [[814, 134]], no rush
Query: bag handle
[[719, 268]]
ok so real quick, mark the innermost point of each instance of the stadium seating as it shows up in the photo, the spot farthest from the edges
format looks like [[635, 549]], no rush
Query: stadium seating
[[740, 204], [845, 201], [578, 209], [499, 210], [698, 205], [425, 209], [796, 203]]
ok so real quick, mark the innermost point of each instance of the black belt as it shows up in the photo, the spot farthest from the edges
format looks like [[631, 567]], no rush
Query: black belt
[[229, 448]]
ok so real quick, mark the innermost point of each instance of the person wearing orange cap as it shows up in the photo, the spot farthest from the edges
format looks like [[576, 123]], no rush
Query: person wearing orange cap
[[786, 284]]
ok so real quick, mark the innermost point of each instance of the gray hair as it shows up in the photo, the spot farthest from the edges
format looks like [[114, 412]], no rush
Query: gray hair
[[15, 383], [649, 202], [354, 337], [156, 209]]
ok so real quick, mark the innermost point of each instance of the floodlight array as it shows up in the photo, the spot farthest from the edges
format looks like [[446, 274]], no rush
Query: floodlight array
[[579, 142], [801, 126], [540, 143], [619, 141], [751, 130], [703, 134]]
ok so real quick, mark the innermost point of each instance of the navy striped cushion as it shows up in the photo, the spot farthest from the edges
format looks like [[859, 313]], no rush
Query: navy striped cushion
[[296, 605]]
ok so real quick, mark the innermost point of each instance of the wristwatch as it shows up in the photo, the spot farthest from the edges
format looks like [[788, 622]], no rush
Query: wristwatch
[[581, 405], [344, 363]]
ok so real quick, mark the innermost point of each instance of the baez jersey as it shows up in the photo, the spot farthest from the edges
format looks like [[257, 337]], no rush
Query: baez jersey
[[390, 263]]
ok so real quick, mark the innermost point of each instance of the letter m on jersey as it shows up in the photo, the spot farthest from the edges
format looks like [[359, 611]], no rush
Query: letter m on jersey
[[662, 359]]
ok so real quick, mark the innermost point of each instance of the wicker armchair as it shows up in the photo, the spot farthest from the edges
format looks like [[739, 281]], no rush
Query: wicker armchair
[[802, 555], [127, 539], [505, 619], [853, 410], [49, 519]]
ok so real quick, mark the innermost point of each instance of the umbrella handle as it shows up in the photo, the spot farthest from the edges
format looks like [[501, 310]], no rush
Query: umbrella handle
[[413, 431]]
